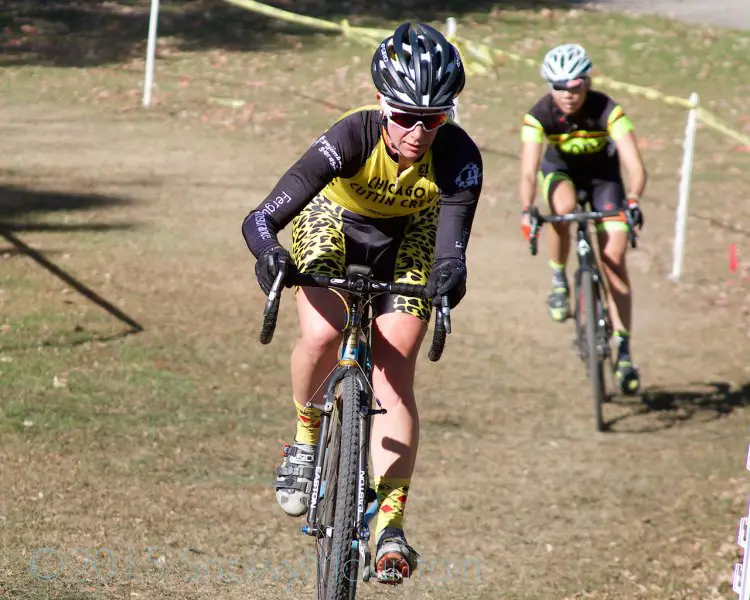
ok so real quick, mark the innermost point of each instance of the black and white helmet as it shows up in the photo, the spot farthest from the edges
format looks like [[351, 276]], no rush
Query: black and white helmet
[[565, 63], [417, 67]]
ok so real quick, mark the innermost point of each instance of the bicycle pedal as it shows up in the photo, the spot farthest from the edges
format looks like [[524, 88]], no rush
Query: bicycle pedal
[[391, 576], [379, 411]]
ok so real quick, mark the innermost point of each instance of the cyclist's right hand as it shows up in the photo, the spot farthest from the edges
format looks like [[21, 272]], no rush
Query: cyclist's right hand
[[269, 264], [526, 216]]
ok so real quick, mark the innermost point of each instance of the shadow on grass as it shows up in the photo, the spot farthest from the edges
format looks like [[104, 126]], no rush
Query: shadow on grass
[[665, 408], [71, 340], [18, 207], [19, 203], [71, 33]]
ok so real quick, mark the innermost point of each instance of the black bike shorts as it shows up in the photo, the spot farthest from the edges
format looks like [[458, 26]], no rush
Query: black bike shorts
[[326, 238], [604, 194]]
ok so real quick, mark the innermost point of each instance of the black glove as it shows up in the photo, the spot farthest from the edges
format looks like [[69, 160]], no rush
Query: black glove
[[636, 216], [269, 264], [448, 277]]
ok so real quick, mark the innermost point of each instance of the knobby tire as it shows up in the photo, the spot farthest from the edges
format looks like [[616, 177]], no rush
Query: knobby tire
[[342, 574], [595, 366]]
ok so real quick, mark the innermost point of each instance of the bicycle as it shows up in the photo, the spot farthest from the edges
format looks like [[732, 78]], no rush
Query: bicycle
[[341, 502], [592, 343]]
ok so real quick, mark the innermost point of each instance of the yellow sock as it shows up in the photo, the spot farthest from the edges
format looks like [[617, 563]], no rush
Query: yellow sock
[[392, 493], [556, 266], [308, 424]]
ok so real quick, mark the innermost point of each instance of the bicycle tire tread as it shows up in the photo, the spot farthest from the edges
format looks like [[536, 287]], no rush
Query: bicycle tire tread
[[594, 365], [339, 581]]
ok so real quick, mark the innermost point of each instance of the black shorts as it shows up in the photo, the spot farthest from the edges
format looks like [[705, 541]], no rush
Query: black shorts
[[603, 193], [326, 238]]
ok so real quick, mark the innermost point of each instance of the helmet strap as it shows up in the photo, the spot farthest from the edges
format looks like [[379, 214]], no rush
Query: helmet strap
[[388, 142]]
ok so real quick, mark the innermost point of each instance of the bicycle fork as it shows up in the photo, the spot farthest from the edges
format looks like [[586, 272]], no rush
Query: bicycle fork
[[603, 328]]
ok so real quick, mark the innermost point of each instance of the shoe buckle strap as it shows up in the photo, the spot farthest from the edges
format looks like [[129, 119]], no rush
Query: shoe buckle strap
[[290, 470], [299, 454], [293, 483]]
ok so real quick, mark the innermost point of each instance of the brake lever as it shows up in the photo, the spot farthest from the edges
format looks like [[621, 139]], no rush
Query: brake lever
[[533, 233], [631, 229], [276, 287], [445, 311]]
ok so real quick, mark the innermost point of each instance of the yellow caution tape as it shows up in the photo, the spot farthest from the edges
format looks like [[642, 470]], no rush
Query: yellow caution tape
[[717, 124], [480, 59], [488, 57], [283, 15]]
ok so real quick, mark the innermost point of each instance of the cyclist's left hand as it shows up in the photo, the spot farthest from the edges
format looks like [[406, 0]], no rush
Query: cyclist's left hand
[[636, 215], [448, 277]]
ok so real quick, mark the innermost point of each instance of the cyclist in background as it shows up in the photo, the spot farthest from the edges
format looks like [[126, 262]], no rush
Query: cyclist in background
[[588, 134], [393, 186]]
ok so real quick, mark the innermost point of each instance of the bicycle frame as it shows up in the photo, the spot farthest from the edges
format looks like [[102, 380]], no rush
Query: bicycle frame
[[355, 357], [355, 354], [587, 261]]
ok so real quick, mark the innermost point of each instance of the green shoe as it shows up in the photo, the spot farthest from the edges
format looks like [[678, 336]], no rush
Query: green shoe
[[558, 304], [627, 377]]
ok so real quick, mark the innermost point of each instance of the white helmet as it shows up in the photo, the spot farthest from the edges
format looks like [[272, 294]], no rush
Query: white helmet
[[565, 63]]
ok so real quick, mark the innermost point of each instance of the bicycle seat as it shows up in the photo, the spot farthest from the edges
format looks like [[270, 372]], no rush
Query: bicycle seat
[[362, 270]]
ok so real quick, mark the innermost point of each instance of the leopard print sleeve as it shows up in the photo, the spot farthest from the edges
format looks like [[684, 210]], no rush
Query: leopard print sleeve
[[458, 174], [339, 152]]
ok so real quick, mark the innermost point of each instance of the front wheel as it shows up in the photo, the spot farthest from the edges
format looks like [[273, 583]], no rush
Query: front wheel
[[594, 359], [342, 570]]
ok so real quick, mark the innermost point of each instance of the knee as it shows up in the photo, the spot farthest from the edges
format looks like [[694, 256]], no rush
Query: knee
[[319, 338], [563, 199]]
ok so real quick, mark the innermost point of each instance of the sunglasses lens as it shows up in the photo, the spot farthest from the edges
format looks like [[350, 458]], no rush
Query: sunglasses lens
[[564, 86], [404, 120], [429, 122], [434, 121]]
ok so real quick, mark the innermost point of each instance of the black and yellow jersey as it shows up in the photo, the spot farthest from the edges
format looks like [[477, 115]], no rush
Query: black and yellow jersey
[[351, 165], [583, 141]]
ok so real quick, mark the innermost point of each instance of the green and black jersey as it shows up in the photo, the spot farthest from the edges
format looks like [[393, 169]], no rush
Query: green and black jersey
[[581, 143]]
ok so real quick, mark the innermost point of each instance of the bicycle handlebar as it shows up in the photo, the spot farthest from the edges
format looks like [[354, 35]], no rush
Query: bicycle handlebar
[[357, 284], [537, 219]]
